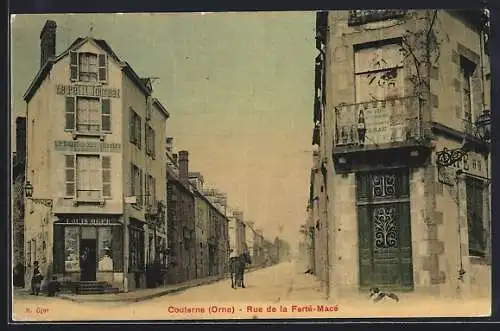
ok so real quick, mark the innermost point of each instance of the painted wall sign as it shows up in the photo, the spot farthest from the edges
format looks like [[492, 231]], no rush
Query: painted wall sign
[[386, 121], [87, 146], [87, 91], [91, 220]]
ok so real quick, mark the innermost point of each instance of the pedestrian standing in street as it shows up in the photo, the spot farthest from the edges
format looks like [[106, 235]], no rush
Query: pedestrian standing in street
[[36, 280]]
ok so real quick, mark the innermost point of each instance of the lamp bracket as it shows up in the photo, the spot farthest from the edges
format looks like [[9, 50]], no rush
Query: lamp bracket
[[448, 157], [45, 202]]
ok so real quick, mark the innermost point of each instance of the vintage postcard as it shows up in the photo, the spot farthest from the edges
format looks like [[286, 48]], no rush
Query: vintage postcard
[[251, 165]]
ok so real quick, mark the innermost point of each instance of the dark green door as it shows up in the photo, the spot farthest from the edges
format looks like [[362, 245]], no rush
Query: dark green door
[[385, 256]]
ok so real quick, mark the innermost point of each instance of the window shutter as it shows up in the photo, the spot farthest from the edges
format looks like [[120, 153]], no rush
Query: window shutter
[[73, 66], [69, 167], [131, 123], [132, 179], [70, 113], [153, 147], [106, 176], [138, 127], [141, 183], [103, 68], [58, 249], [147, 190], [146, 134], [106, 114]]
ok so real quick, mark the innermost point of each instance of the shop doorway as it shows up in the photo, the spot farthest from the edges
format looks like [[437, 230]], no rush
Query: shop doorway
[[88, 259]]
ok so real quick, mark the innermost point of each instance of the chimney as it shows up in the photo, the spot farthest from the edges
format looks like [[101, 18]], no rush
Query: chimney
[[47, 42], [20, 139], [170, 144], [184, 165]]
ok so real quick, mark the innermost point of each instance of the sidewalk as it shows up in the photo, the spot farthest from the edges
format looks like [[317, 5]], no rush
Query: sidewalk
[[144, 294]]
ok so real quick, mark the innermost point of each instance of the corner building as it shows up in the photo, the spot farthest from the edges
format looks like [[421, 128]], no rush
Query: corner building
[[417, 81], [96, 161]]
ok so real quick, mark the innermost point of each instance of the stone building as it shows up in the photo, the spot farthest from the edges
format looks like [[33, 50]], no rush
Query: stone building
[[202, 217], [237, 231], [181, 220], [18, 180], [218, 233], [394, 89], [94, 136]]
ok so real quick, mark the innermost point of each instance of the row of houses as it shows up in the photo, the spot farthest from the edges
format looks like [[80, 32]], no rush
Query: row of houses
[[400, 184], [100, 196]]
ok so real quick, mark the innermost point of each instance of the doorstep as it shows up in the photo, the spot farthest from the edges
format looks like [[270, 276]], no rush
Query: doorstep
[[144, 294]]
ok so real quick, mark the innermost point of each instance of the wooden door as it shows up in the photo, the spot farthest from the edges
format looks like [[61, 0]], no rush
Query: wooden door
[[385, 255]]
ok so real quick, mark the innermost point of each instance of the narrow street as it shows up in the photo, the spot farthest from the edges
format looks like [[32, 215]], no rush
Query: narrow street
[[270, 286], [280, 291]]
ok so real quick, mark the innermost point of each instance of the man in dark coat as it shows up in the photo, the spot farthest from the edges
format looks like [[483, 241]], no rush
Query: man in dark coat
[[36, 280]]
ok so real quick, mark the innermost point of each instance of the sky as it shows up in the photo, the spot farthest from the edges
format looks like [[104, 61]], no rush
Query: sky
[[238, 86]]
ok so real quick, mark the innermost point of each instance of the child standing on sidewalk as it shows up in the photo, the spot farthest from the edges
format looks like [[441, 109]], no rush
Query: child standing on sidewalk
[[36, 280]]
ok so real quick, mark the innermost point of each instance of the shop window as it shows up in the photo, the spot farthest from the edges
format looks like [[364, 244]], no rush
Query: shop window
[[475, 217], [71, 249], [105, 249]]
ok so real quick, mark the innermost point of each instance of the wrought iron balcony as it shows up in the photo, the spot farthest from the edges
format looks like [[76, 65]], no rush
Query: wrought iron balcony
[[379, 123], [357, 17]]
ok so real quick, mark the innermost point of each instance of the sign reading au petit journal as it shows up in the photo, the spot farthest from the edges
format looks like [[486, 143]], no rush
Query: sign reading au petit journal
[[86, 146], [87, 91]]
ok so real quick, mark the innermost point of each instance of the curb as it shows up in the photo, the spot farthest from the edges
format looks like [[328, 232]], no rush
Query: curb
[[181, 288]]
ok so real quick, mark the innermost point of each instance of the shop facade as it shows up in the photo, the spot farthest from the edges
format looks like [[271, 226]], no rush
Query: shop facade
[[89, 248]]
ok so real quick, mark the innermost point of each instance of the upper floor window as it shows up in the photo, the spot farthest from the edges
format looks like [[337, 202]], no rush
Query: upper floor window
[[150, 189], [87, 177], [136, 184], [88, 115], [467, 69], [475, 217], [378, 71], [135, 128], [88, 67], [150, 141]]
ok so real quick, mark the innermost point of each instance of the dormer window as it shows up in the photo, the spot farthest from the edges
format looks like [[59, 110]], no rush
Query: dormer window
[[88, 67]]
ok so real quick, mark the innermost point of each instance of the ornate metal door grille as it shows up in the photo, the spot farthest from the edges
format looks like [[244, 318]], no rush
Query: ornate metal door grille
[[383, 203]]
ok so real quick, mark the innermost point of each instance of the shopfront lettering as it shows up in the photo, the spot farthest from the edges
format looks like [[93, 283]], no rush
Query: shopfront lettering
[[87, 91], [87, 146], [88, 221]]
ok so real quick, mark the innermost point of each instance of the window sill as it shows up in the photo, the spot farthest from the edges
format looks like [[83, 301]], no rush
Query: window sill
[[477, 260], [80, 201], [77, 134]]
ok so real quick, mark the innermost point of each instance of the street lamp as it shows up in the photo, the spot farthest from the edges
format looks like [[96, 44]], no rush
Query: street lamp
[[448, 157], [28, 191]]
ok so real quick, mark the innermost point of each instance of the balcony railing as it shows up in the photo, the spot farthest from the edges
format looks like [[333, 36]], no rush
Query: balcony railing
[[388, 121], [364, 16]]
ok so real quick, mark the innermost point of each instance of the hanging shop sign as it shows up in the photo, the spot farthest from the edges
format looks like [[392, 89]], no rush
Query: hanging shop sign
[[87, 146], [87, 91], [88, 220], [471, 163]]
